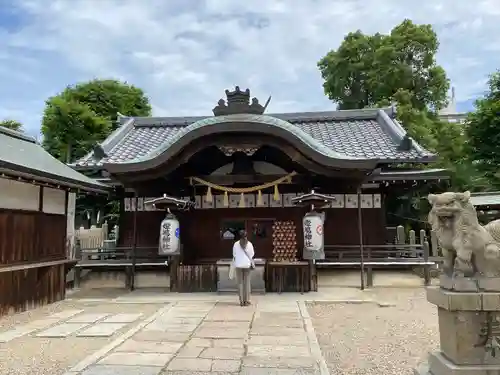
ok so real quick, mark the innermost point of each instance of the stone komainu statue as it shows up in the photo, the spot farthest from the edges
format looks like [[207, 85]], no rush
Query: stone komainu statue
[[469, 248]]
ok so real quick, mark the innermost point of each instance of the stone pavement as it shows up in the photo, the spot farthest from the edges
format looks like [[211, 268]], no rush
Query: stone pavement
[[199, 337]]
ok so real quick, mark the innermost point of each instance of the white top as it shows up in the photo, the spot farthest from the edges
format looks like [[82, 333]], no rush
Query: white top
[[239, 257]]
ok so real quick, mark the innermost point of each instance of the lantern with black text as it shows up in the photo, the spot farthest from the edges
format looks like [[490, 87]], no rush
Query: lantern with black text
[[313, 223], [169, 236]]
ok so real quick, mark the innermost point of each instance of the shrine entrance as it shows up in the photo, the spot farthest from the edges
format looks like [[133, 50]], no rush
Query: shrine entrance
[[259, 231]]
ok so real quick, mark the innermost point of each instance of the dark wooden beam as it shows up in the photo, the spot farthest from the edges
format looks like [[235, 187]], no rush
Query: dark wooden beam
[[40, 198]]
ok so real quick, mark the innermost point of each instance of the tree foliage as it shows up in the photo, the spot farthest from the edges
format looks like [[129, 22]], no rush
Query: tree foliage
[[12, 124], [399, 68], [86, 113], [71, 128], [109, 97], [369, 70], [483, 133]]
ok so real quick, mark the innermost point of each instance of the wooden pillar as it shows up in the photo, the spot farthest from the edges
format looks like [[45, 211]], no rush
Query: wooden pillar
[[78, 270], [427, 267], [40, 198], [174, 263], [121, 215], [361, 245], [134, 244]]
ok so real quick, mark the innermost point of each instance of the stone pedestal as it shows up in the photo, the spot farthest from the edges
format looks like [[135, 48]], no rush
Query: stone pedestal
[[468, 328], [226, 285]]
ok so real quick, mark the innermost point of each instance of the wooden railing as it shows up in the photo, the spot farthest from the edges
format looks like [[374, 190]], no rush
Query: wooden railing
[[396, 251], [126, 259], [380, 256]]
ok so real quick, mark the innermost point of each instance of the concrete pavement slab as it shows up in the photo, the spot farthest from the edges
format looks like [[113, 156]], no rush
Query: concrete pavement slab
[[121, 370], [62, 330], [87, 318], [190, 364], [136, 359], [149, 346], [122, 318], [101, 330]]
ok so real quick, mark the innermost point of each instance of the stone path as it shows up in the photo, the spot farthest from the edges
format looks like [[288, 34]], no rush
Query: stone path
[[69, 322], [199, 337]]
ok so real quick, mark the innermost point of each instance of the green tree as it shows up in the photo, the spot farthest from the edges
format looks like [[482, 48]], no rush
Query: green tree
[[483, 132], [12, 124], [71, 129], [368, 70], [109, 97], [85, 114], [399, 68]]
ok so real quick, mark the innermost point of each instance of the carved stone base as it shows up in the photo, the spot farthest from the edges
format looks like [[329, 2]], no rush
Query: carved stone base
[[439, 365], [468, 325], [470, 284]]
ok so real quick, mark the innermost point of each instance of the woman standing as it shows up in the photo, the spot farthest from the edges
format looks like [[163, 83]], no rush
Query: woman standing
[[243, 253]]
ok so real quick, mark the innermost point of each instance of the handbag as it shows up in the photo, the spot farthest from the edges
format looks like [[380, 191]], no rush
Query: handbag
[[252, 263], [232, 271]]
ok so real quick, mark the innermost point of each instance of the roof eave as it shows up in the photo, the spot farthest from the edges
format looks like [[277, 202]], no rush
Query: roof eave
[[397, 132], [416, 175], [36, 175], [108, 144]]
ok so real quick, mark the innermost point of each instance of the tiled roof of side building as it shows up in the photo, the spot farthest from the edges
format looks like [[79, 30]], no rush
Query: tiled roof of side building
[[22, 156], [370, 134]]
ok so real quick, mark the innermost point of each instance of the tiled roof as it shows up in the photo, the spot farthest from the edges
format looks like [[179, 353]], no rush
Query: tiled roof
[[22, 156], [369, 134], [485, 199]]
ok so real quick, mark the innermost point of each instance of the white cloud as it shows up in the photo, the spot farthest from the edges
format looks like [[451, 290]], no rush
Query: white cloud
[[185, 53]]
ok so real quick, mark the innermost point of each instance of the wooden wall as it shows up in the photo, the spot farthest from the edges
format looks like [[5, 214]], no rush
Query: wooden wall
[[201, 237], [24, 289], [33, 230], [28, 236], [17, 195]]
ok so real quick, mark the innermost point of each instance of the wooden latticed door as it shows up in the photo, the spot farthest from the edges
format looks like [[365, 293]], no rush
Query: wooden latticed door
[[260, 233]]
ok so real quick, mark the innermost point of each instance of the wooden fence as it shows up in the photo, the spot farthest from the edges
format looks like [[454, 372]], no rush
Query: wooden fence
[[33, 259]]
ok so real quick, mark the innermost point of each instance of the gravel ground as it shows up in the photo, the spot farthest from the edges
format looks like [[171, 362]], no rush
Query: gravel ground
[[43, 356], [367, 339]]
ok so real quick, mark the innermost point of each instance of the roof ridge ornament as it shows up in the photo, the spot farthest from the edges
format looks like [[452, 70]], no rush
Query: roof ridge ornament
[[406, 143], [238, 101]]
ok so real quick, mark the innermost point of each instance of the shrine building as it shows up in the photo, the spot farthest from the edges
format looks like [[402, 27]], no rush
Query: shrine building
[[243, 168]]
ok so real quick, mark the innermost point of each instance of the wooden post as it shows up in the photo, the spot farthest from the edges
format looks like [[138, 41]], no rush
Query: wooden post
[[134, 245], [78, 256], [427, 271], [369, 276], [173, 270], [413, 241], [400, 235], [360, 233], [434, 244], [423, 237], [105, 229], [400, 239]]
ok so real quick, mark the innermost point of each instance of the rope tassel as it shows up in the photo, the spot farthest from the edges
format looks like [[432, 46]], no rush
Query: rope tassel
[[226, 199], [242, 201], [209, 197], [260, 200], [276, 196]]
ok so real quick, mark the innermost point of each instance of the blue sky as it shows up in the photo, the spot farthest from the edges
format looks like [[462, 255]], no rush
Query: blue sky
[[185, 53]]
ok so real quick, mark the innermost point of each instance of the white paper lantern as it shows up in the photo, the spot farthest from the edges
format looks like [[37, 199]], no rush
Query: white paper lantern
[[169, 235], [312, 224]]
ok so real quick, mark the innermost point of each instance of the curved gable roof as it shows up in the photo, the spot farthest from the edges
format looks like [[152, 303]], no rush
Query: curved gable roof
[[352, 136]]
